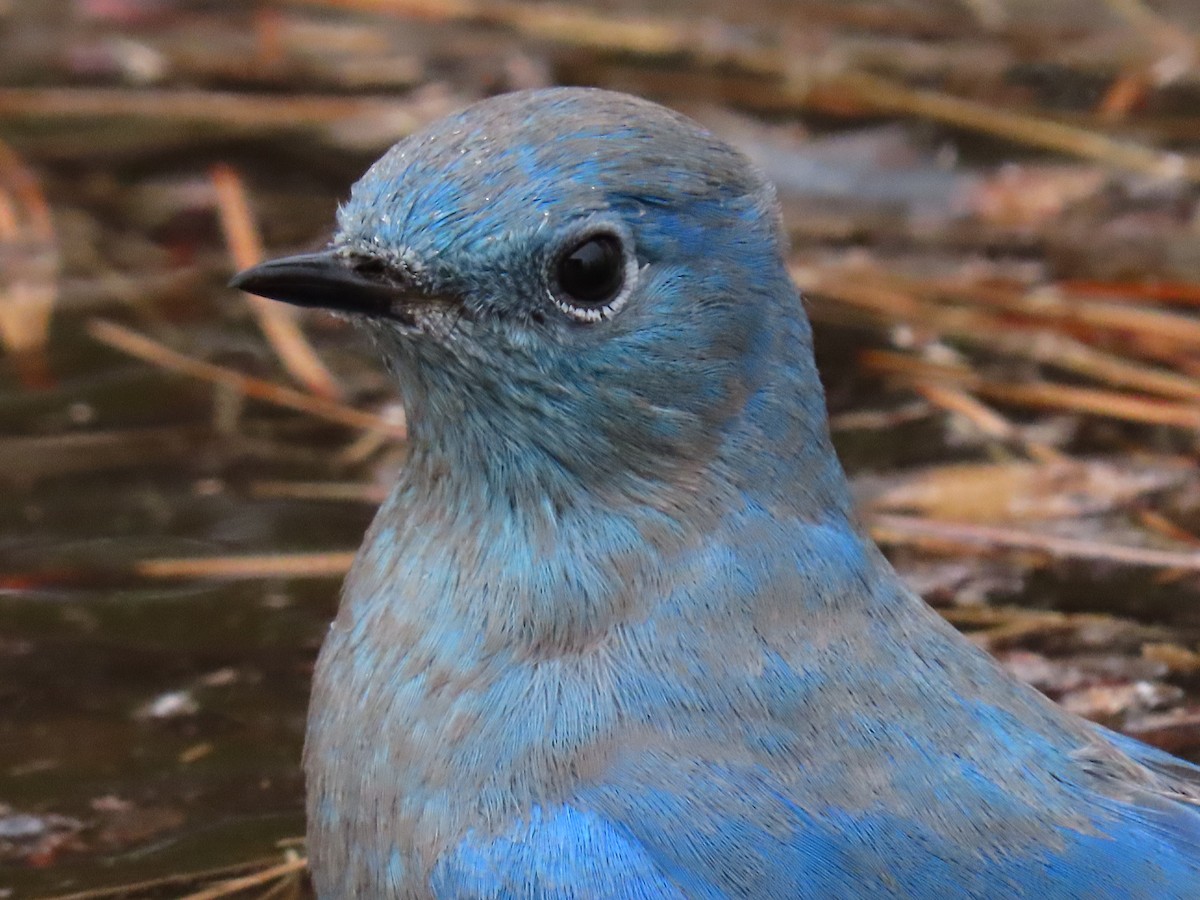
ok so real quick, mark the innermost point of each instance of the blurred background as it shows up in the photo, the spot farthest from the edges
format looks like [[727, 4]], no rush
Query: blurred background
[[995, 221]]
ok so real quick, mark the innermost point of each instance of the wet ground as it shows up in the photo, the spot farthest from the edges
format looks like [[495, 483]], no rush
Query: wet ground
[[151, 727]]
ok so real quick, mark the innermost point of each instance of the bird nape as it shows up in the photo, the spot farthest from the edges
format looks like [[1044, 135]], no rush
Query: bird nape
[[615, 633]]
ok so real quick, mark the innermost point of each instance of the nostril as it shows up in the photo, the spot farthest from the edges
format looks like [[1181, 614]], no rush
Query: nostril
[[381, 271], [368, 266]]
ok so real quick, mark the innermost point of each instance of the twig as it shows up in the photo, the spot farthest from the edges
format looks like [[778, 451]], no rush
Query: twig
[[287, 886], [1073, 356], [987, 420], [643, 35], [29, 289], [885, 95], [880, 419], [352, 491], [240, 884], [1155, 521], [277, 320], [956, 537], [128, 341], [1043, 395], [1108, 404], [156, 885], [872, 17], [991, 422], [1126, 92], [362, 447], [1167, 326], [1178, 48], [268, 565], [1182, 292], [252, 112], [896, 299]]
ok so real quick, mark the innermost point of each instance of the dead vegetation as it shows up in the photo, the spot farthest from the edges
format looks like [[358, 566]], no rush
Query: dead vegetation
[[995, 214]]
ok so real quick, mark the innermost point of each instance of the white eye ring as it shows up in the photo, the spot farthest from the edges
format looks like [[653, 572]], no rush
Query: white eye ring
[[591, 314], [593, 277]]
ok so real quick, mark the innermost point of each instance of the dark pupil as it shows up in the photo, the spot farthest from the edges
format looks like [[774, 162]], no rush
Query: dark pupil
[[592, 273]]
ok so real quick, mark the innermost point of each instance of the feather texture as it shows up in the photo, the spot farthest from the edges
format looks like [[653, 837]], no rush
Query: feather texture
[[615, 633]]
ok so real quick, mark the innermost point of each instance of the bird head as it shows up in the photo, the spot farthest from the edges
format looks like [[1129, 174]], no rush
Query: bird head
[[576, 281]]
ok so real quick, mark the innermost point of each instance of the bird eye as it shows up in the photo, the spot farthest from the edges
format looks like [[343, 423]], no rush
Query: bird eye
[[590, 276]]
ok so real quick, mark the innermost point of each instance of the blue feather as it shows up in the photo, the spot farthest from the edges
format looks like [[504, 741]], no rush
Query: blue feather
[[615, 633]]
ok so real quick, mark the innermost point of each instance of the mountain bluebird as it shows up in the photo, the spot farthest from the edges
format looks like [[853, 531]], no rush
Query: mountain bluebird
[[615, 633]]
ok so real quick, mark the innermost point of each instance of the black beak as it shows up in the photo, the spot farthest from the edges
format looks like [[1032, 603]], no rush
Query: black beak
[[327, 280]]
